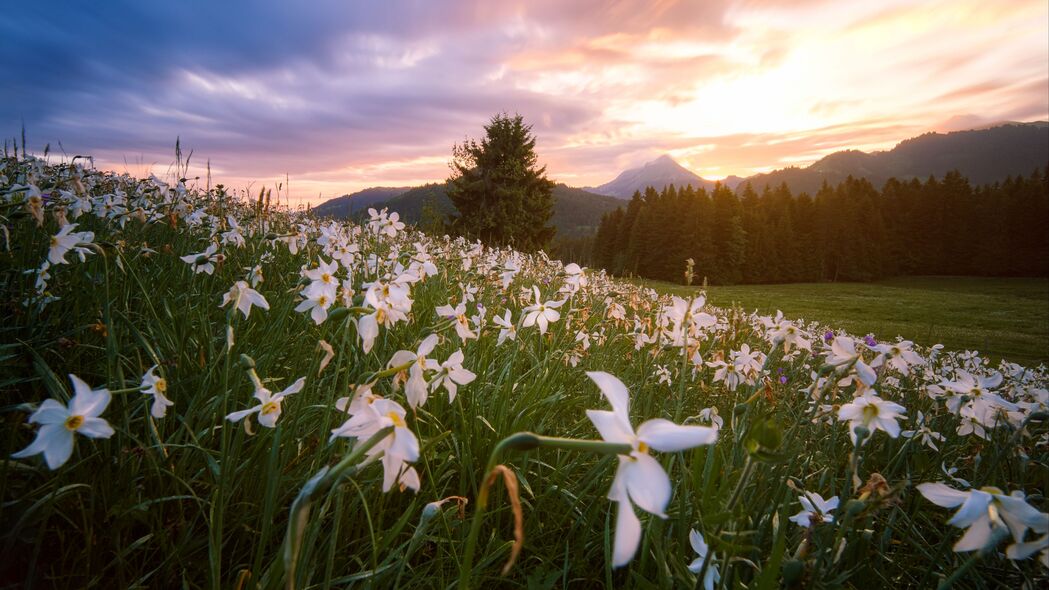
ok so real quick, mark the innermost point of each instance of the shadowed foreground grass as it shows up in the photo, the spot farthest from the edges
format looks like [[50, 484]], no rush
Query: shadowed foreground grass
[[1002, 318]]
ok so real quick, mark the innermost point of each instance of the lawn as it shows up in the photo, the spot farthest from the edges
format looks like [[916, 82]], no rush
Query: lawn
[[1002, 318]]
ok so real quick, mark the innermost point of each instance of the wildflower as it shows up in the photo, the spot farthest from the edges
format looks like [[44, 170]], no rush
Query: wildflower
[[815, 510], [318, 298], [205, 261], [699, 545], [58, 423], [157, 386], [927, 435], [639, 479], [416, 388], [65, 240], [899, 356], [506, 327], [985, 511], [843, 354], [268, 407], [710, 416], [243, 297], [462, 324], [541, 314], [872, 412], [451, 374], [369, 416]]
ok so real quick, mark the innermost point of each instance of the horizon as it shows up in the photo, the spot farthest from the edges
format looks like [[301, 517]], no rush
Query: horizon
[[338, 100]]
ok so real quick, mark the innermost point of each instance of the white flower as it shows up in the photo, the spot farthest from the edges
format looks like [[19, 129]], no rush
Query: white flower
[[710, 416], [898, 356], [58, 423], [541, 314], [843, 353], [416, 388], [458, 313], [318, 298], [927, 434], [984, 511], [370, 414], [451, 374], [815, 510], [268, 408], [640, 479], [205, 261], [243, 297], [872, 412], [153, 384], [506, 327], [65, 240], [699, 545]]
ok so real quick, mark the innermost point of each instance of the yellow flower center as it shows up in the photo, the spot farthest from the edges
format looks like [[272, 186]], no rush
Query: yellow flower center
[[326, 278], [870, 412], [74, 422], [322, 301], [396, 419], [161, 385], [270, 407], [54, 241], [642, 447]]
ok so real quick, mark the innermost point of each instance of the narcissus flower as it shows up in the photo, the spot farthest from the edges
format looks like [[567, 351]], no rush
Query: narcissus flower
[[205, 261], [984, 511], [157, 386], [243, 297], [640, 479], [372, 414], [451, 374], [815, 510], [541, 314], [59, 423], [268, 408], [872, 412], [699, 545], [65, 240]]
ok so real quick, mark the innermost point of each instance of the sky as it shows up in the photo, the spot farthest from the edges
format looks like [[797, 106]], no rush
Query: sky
[[334, 96]]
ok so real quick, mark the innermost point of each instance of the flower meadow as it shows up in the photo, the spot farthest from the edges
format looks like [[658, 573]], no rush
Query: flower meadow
[[205, 391]]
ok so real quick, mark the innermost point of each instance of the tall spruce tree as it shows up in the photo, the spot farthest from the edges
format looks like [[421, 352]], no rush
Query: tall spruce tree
[[502, 196]]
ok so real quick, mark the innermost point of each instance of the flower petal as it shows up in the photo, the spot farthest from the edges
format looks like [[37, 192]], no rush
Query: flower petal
[[664, 435]]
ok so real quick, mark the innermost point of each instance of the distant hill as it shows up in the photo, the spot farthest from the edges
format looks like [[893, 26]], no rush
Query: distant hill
[[577, 212], [984, 156], [658, 173], [348, 205]]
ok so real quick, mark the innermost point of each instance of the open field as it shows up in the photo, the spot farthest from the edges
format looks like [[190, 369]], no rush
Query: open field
[[1001, 317], [203, 392]]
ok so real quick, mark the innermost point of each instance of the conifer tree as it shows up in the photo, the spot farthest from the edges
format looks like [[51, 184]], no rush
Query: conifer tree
[[500, 192]]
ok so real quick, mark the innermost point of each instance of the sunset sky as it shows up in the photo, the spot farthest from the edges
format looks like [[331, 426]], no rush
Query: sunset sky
[[344, 95]]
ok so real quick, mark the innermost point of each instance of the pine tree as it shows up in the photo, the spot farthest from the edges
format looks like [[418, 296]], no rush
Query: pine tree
[[502, 196]]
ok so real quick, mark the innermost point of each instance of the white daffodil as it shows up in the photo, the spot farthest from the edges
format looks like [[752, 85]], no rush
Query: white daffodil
[[926, 435], [157, 386], [872, 412], [640, 479], [65, 240], [541, 314], [815, 510], [318, 298], [58, 423], [401, 446], [699, 545], [462, 324], [416, 389], [984, 511], [710, 416], [899, 356], [451, 374], [268, 408], [506, 327], [205, 261], [843, 353], [243, 297]]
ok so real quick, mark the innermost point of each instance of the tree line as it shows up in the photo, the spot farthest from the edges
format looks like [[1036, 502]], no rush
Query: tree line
[[849, 232]]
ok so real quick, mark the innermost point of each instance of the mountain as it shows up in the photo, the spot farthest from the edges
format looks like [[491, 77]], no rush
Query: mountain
[[984, 156], [658, 174], [577, 212], [347, 205]]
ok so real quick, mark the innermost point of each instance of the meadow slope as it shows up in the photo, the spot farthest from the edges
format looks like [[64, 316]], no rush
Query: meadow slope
[[203, 392]]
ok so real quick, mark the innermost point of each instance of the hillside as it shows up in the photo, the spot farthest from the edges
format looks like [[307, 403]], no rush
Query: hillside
[[984, 156], [348, 205], [659, 173], [576, 211]]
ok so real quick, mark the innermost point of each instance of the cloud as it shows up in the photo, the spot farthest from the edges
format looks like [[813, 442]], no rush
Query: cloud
[[342, 95]]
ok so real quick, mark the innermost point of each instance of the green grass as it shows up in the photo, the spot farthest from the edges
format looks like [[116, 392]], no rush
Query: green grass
[[1000, 317]]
